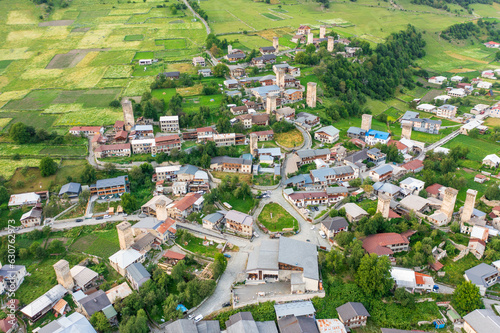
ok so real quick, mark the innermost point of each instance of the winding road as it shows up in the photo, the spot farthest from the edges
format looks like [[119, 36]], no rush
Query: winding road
[[199, 17]]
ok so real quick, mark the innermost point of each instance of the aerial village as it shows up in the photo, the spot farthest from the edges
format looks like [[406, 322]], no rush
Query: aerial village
[[207, 248]]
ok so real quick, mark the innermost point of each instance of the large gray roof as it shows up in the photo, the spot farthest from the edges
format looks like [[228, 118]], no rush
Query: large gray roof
[[70, 188], [187, 169], [357, 156], [301, 254], [299, 179], [73, 323], [483, 321], [477, 274], [138, 273], [95, 302], [386, 188], [324, 172], [303, 308], [307, 153], [213, 217], [335, 223], [350, 310], [383, 169], [330, 130], [117, 181], [227, 159], [265, 257], [292, 324]]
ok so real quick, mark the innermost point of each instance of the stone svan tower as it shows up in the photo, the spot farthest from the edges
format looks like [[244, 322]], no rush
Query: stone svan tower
[[125, 236], [276, 43], [253, 144], [384, 205], [270, 103], [322, 31], [406, 131], [331, 44], [311, 94], [470, 201], [366, 122], [63, 274], [310, 38], [450, 196]]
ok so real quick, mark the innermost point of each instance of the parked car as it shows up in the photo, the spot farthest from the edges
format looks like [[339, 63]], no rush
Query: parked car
[[99, 218], [198, 318], [227, 255], [256, 234], [79, 220], [225, 305], [107, 216], [322, 234]]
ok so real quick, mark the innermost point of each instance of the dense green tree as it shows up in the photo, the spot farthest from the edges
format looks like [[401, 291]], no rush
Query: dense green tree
[[129, 203], [88, 175], [47, 167], [100, 322], [466, 298], [220, 70], [373, 275], [4, 195]]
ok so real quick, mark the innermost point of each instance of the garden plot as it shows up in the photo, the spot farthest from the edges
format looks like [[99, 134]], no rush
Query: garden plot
[[70, 59], [35, 100], [21, 17], [133, 38], [118, 72], [80, 30], [15, 53], [172, 44], [57, 23]]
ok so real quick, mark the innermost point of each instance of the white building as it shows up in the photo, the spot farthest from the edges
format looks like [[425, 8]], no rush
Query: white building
[[459, 92], [24, 199], [438, 79], [427, 108], [484, 85], [412, 185], [169, 123], [411, 280]]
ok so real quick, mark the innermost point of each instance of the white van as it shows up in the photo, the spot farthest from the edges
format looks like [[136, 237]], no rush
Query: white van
[[322, 234]]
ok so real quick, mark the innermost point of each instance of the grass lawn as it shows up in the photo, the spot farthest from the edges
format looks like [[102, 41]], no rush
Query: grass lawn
[[172, 44], [244, 206], [455, 270], [276, 218], [42, 278], [247, 178], [478, 148], [101, 243], [195, 244], [144, 55], [265, 179], [290, 139]]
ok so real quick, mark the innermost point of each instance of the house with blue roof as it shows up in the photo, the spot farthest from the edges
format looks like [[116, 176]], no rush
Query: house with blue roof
[[373, 137]]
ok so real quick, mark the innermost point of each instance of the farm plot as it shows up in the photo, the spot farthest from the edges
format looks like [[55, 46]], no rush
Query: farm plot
[[172, 44], [478, 148], [101, 243], [131, 38], [272, 16], [90, 117], [56, 23], [30, 118], [35, 100], [118, 72]]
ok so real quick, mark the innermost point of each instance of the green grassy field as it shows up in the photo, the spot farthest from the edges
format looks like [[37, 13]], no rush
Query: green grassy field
[[275, 218], [478, 148], [101, 243]]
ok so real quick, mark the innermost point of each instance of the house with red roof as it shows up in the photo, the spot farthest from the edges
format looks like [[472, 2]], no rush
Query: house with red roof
[[414, 166], [182, 208], [479, 178], [403, 149], [435, 190], [492, 45], [173, 257], [386, 243]]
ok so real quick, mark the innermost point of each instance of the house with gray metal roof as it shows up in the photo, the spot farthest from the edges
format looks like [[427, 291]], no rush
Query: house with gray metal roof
[[328, 176], [333, 225], [299, 181], [482, 321], [75, 322], [111, 186], [409, 115], [297, 309], [93, 303], [72, 190], [388, 189], [356, 133], [44, 303], [211, 221], [353, 212], [137, 275], [483, 276], [381, 173], [353, 314], [309, 155], [327, 134], [189, 326], [243, 322], [301, 324]]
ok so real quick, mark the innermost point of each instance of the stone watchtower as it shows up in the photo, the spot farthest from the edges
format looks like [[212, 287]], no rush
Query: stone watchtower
[[450, 196], [311, 94], [128, 114], [253, 144], [310, 38], [280, 77], [366, 122], [470, 201], [322, 31], [276, 43], [384, 205], [125, 235], [271, 103], [331, 43], [63, 274], [406, 130]]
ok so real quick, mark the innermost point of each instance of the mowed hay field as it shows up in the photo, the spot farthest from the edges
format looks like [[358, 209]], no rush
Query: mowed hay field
[[66, 69]]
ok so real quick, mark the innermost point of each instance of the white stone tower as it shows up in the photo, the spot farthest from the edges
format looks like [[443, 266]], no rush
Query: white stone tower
[[253, 144], [125, 236], [322, 31], [229, 49], [276, 43], [270, 103], [63, 274], [331, 43], [310, 38], [384, 205], [280, 77], [311, 94], [470, 201], [450, 196], [366, 122], [406, 130]]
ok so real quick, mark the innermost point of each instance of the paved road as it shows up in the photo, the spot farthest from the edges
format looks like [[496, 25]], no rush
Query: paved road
[[445, 289], [236, 264]]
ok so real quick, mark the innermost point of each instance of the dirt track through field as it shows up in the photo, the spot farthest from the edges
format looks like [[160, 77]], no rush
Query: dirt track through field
[[70, 59], [462, 57]]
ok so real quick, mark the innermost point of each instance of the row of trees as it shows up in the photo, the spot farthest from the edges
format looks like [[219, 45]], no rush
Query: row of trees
[[21, 133]]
